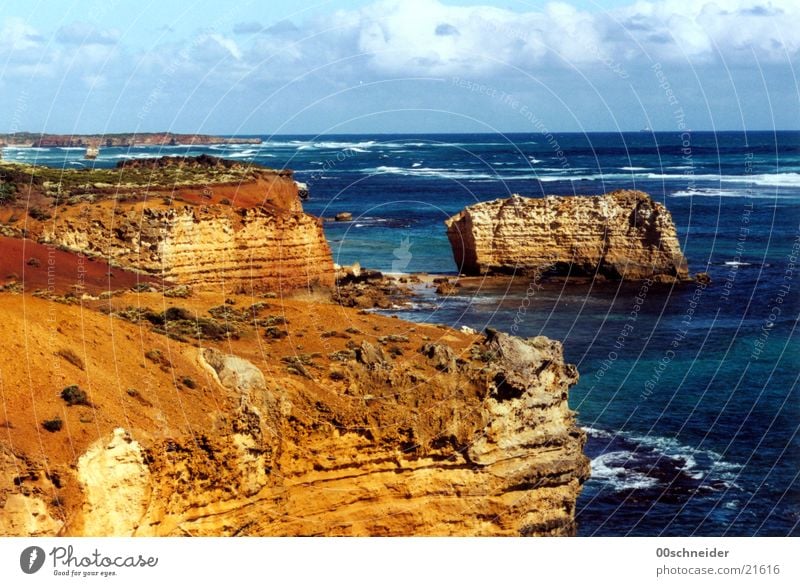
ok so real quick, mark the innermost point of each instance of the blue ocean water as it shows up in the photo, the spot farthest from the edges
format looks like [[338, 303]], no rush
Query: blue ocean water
[[692, 409]]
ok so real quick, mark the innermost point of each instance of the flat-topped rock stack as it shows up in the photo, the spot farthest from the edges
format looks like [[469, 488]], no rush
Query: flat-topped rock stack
[[620, 235]]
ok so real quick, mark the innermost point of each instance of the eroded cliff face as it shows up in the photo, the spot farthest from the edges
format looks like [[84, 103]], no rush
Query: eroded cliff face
[[363, 431], [192, 220], [620, 235], [256, 249]]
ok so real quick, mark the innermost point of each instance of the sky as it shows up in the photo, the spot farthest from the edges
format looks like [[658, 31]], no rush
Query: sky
[[389, 66]]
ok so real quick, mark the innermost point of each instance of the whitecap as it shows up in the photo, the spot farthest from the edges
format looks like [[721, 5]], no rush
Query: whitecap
[[764, 179], [610, 468], [729, 193], [242, 154], [432, 172], [594, 432], [703, 465]]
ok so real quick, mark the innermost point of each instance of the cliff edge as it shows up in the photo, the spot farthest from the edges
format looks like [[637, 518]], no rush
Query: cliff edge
[[620, 235], [198, 221], [281, 426]]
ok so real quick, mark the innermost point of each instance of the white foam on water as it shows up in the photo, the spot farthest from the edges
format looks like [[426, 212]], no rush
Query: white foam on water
[[696, 463], [242, 154], [729, 193], [610, 468], [358, 146], [706, 193], [429, 172], [763, 179], [594, 432]]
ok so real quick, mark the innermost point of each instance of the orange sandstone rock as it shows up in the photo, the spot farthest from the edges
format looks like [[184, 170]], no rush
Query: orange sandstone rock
[[296, 436], [620, 235]]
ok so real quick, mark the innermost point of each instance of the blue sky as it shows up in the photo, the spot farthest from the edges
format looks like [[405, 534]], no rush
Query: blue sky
[[398, 66]]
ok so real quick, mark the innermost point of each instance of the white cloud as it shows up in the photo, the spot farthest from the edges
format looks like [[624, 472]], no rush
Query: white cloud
[[17, 35], [414, 37], [427, 37], [400, 38], [228, 44]]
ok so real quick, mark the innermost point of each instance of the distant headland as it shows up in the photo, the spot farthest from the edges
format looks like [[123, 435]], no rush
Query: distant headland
[[123, 139]]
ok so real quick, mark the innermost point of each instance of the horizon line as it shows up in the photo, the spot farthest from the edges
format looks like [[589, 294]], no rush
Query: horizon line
[[383, 133]]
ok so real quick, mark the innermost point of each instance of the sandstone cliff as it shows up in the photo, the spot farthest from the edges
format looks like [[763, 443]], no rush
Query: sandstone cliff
[[358, 430], [194, 221], [620, 235], [254, 249]]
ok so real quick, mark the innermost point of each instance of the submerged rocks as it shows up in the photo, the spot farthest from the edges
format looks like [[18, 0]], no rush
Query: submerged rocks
[[702, 278], [620, 235], [367, 289]]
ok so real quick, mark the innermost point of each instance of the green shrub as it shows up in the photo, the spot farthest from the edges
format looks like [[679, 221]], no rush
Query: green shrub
[[8, 192]]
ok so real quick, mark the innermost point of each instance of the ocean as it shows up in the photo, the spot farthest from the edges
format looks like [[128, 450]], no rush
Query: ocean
[[691, 416]]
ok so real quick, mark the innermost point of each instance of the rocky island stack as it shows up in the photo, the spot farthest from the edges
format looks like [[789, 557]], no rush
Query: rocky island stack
[[620, 235]]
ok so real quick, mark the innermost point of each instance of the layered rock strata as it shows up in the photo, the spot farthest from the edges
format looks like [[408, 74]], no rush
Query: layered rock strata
[[192, 220], [507, 461], [620, 235], [257, 248], [429, 432]]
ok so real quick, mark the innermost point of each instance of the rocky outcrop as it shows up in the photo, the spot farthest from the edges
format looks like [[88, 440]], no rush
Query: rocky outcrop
[[192, 220], [124, 139], [620, 235], [492, 450], [116, 484], [247, 249], [422, 431], [24, 511]]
